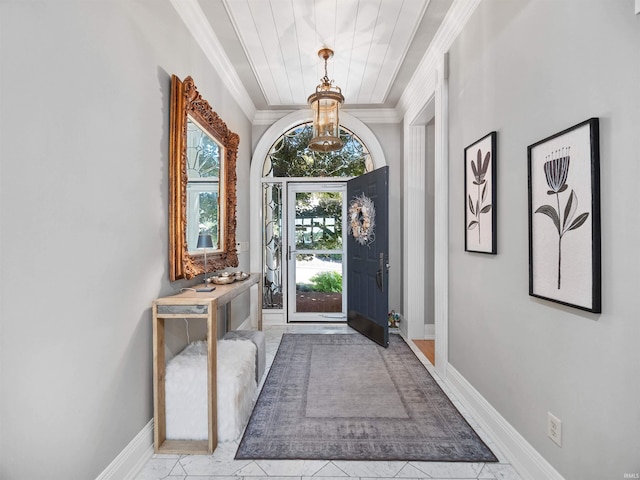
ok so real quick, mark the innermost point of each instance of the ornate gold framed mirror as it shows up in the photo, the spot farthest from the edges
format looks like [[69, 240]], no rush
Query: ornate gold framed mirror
[[202, 184]]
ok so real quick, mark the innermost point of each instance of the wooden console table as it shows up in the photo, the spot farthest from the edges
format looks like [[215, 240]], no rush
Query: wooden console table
[[191, 304]]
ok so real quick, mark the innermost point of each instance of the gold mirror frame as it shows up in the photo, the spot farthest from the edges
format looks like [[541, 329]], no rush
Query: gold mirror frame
[[187, 101]]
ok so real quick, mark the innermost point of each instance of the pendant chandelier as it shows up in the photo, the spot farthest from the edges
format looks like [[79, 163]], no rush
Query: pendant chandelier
[[326, 102]]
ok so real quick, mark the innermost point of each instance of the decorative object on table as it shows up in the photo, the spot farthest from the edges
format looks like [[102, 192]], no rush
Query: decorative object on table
[[239, 276], [224, 278], [362, 219], [480, 217], [564, 217], [325, 102], [305, 414], [204, 242], [394, 319]]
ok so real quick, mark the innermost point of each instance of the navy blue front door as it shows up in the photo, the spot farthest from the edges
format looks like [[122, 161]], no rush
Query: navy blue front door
[[367, 264]]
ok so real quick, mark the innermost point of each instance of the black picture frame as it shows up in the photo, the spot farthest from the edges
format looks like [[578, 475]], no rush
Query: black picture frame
[[480, 196], [564, 217]]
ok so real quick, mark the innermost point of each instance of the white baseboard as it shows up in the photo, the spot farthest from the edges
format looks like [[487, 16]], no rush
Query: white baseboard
[[130, 460], [430, 331], [524, 458]]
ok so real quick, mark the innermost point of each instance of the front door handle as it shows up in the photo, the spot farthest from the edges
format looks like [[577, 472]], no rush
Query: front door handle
[[290, 251], [380, 273]]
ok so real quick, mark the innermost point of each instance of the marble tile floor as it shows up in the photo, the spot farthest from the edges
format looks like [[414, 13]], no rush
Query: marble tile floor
[[222, 466]]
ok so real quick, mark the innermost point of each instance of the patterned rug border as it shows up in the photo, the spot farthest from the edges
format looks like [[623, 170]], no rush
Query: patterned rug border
[[489, 458]]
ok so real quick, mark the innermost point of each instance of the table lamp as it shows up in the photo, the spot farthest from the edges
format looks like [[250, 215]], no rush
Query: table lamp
[[204, 242]]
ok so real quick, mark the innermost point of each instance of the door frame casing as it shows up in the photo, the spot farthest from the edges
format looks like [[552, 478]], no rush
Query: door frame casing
[[337, 185], [435, 91]]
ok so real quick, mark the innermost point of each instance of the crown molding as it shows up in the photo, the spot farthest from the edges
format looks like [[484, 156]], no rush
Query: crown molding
[[269, 117], [423, 82], [365, 115], [196, 22], [375, 115]]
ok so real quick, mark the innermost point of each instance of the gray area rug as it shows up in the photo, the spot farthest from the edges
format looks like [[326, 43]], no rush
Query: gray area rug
[[342, 397]]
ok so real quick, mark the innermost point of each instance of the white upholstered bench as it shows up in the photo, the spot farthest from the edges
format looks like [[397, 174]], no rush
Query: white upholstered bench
[[186, 390]]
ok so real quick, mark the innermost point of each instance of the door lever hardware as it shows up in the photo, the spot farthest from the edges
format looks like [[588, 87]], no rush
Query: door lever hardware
[[290, 251], [380, 273]]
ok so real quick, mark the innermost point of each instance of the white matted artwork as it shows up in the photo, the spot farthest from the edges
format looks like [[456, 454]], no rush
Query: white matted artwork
[[480, 216], [564, 217]]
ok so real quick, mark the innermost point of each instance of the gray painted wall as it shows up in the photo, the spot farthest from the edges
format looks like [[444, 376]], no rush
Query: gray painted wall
[[84, 124], [529, 69]]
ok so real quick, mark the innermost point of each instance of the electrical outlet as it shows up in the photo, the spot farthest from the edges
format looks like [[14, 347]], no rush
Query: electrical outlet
[[554, 428]]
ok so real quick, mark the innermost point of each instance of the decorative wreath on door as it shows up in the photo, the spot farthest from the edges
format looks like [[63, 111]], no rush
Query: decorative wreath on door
[[362, 219]]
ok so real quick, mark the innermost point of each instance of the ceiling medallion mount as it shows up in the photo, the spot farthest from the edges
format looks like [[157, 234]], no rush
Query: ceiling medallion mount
[[326, 54], [326, 102]]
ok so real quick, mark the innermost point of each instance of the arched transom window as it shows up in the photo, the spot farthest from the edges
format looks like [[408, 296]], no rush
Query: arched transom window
[[289, 158]]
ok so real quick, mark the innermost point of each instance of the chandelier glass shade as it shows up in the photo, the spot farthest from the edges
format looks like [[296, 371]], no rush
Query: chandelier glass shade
[[325, 103]]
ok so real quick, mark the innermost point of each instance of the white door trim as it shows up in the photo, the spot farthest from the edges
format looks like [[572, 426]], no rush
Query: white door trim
[[290, 225], [413, 258], [441, 218], [414, 217]]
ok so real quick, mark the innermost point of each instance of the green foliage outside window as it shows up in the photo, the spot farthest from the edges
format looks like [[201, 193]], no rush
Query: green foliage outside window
[[323, 231], [291, 157], [327, 282]]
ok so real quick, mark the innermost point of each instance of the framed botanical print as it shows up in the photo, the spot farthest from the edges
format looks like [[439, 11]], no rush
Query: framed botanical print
[[480, 216], [564, 217]]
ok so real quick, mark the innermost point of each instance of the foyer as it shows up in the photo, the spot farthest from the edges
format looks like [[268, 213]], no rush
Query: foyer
[[85, 108]]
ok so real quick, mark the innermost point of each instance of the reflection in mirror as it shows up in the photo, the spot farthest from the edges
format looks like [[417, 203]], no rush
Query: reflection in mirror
[[202, 184], [204, 170]]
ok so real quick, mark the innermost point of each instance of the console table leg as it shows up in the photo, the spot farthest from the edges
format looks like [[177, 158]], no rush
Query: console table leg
[[159, 425], [212, 355], [260, 293]]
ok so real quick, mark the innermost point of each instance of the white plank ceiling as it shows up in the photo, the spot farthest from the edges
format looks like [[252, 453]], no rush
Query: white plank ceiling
[[281, 39], [273, 45]]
